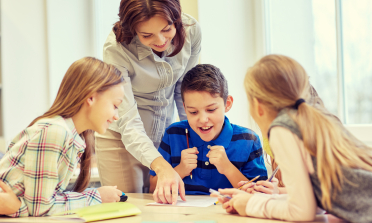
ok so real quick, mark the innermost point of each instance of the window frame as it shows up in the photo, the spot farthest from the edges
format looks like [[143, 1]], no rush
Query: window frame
[[361, 131]]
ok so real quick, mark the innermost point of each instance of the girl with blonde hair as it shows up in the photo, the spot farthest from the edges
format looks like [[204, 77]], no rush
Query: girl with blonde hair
[[322, 164], [40, 161], [277, 186]]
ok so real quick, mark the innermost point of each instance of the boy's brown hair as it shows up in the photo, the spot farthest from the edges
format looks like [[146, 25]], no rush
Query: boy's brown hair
[[205, 77]]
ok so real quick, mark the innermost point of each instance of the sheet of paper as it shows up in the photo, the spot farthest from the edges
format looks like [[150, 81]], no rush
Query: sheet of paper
[[191, 201]]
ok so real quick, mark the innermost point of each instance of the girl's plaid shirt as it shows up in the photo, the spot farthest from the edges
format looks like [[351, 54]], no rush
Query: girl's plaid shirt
[[39, 164]]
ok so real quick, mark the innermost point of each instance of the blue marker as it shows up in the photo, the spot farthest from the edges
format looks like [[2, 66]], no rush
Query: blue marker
[[216, 192], [123, 197]]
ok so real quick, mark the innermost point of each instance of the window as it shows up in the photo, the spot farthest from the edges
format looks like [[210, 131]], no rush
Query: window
[[332, 39]]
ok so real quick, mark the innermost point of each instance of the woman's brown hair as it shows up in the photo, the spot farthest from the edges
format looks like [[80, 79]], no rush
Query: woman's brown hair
[[83, 78], [278, 82], [133, 12]]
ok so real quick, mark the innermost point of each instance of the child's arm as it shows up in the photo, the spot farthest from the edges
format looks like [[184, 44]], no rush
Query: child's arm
[[9, 203], [47, 162], [299, 203], [217, 156]]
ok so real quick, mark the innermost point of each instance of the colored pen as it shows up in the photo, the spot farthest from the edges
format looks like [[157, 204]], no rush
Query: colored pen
[[216, 192], [249, 182], [273, 174], [188, 146]]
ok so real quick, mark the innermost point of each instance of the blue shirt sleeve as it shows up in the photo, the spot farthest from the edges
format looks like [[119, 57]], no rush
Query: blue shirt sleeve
[[164, 150], [255, 164]]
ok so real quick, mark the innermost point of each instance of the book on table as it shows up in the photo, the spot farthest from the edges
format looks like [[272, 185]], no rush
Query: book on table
[[99, 212]]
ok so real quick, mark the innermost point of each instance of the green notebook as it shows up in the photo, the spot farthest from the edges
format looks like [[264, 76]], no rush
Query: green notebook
[[100, 212]]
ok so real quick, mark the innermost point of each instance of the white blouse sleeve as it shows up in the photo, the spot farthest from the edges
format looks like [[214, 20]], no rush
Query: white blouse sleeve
[[299, 204]]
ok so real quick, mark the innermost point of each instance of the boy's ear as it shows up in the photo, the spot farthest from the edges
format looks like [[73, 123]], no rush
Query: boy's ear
[[229, 103]]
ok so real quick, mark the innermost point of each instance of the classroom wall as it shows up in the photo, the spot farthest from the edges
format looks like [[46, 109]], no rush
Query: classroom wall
[[190, 7], [24, 63], [70, 31], [42, 38], [232, 40]]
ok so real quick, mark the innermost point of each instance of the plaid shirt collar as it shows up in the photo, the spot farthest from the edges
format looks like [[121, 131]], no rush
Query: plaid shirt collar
[[79, 140]]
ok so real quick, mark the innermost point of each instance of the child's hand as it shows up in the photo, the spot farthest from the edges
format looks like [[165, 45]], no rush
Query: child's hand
[[9, 202], [189, 161], [109, 194], [247, 187], [237, 204], [267, 187], [232, 206], [217, 156]]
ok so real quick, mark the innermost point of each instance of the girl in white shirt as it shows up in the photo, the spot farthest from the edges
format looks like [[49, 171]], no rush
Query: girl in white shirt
[[322, 164]]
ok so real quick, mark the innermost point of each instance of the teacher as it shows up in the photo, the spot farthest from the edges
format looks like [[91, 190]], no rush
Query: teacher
[[153, 44]]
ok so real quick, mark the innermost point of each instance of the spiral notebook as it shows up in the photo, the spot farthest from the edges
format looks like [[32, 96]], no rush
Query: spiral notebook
[[99, 212]]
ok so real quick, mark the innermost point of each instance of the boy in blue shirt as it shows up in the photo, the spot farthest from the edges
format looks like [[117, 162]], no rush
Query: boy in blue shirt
[[220, 154]]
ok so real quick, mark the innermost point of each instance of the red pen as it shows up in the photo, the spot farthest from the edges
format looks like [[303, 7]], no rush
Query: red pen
[[188, 146]]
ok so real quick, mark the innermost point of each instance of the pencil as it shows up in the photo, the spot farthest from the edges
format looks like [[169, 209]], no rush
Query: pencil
[[243, 185], [188, 146], [249, 182]]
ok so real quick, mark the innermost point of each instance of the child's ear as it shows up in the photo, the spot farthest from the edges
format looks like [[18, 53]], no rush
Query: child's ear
[[91, 99], [258, 107], [229, 103]]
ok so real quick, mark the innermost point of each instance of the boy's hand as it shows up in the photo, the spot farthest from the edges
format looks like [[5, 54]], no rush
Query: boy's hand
[[217, 156], [189, 161]]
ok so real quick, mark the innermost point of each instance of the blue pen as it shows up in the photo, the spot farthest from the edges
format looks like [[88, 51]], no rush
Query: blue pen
[[273, 174]]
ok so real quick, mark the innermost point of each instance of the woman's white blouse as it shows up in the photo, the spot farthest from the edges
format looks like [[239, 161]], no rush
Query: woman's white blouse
[[152, 86]]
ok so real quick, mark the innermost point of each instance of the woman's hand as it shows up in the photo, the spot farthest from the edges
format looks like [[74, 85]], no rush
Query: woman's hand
[[109, 194], [168, 184], [9, 202]]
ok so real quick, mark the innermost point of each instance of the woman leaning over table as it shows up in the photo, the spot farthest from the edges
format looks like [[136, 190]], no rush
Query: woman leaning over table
[[153, 45]]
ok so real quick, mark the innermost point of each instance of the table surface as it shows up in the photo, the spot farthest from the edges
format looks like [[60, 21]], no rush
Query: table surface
[[173, 213]]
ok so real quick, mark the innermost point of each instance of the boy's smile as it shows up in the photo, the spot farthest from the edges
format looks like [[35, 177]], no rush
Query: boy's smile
[[205, 113]]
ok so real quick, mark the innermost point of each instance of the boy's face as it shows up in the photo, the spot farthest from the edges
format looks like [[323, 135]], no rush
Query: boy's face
[[206, 114]]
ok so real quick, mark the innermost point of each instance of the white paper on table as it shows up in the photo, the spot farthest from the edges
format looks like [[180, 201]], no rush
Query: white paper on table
[[191, 201]]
